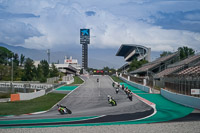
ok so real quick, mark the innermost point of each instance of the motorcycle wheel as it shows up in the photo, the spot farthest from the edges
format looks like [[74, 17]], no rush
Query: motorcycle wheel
[[69, 111]]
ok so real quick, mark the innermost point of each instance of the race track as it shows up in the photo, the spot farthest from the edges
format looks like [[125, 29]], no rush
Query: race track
[[90, 101]]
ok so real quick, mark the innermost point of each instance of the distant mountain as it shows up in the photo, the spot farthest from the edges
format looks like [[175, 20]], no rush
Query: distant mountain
[[98, 58]]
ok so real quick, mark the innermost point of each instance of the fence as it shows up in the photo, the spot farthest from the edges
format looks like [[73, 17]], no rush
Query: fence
[[27, 88], [136, 85], [139, 80], [182, 83]]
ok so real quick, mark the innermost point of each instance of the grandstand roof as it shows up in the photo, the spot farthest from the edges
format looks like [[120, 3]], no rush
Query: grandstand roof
[[131, 51], [154, 64], [177, 66]]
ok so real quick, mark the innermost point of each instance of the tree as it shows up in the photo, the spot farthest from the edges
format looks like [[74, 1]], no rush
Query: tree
[[184, 52], [54, 71], [40, 75], [16, 59], [22, 58], [45, 68], [5, 55], [136, 64], [165, 53], [28, 70], [5, 72]]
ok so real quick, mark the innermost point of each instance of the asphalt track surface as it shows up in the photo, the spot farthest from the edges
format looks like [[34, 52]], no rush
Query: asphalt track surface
[[90, 99]]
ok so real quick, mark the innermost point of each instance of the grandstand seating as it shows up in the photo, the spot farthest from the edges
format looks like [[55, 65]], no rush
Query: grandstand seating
[[168, 71], [176, 67], [190, 71], [153, 65]]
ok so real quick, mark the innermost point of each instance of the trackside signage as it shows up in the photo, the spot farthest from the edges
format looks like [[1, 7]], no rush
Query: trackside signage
[[195, 91]]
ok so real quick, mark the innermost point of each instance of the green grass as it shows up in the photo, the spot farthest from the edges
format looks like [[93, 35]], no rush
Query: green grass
[[77, 81], [23, 107], [116, 79]]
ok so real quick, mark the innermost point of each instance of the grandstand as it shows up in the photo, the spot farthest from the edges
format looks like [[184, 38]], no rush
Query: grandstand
[[131, 52], [170, 73], [176, 67], [194, 70], [156, 66]]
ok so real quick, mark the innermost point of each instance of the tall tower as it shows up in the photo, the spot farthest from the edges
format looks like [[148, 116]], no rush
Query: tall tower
[[85, 40], [48, 55], [85, 56]]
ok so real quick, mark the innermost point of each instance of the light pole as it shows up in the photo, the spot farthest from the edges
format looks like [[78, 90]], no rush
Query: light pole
[[12, 75]]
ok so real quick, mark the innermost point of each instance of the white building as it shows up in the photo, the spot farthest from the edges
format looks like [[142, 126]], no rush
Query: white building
[[70, 66]]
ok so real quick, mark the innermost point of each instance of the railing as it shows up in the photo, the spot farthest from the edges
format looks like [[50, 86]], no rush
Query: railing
[[139, 80], [182, 84]]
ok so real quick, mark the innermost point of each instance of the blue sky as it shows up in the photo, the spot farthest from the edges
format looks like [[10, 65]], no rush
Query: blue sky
[[55, 24]]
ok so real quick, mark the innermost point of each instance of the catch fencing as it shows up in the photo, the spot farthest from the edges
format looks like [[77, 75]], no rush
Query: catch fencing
[[182, 84]]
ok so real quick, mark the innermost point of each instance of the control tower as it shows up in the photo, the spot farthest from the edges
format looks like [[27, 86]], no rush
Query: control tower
[[85, 40]]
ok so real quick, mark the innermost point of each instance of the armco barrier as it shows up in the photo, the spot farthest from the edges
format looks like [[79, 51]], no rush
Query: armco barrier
[[189, 101], [28, 96], [141, 87]]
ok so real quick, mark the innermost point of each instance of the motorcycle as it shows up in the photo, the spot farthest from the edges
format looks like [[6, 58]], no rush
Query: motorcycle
[[117, 90], [130, 96], [63, 110], [112, 101]]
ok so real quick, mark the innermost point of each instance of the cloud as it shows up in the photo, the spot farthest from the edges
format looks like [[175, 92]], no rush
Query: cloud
[[15, 33], [90, 13], [8, 15], [156, 24], [189, 20]]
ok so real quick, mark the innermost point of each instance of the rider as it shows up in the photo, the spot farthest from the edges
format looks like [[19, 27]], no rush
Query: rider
[[61, 107], [117, 90], [113, 84], [111, 100]]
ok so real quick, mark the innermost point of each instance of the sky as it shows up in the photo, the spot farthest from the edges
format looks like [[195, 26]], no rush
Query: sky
[[162, 25]]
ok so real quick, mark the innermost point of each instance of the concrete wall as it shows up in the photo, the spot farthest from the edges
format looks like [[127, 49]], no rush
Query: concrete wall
[[28, 96], [189, 101], [141, 87], [52, 80], [4, 100], [68, 79], [25, 85]]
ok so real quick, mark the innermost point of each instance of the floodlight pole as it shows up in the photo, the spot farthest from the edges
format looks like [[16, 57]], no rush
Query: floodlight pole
[[12, 75]]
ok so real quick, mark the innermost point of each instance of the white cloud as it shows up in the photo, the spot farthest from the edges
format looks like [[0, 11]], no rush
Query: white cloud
[[114, 23]]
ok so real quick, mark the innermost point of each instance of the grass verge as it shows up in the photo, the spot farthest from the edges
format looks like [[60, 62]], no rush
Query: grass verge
[[116, 79], [23, 107], [77, 81]]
